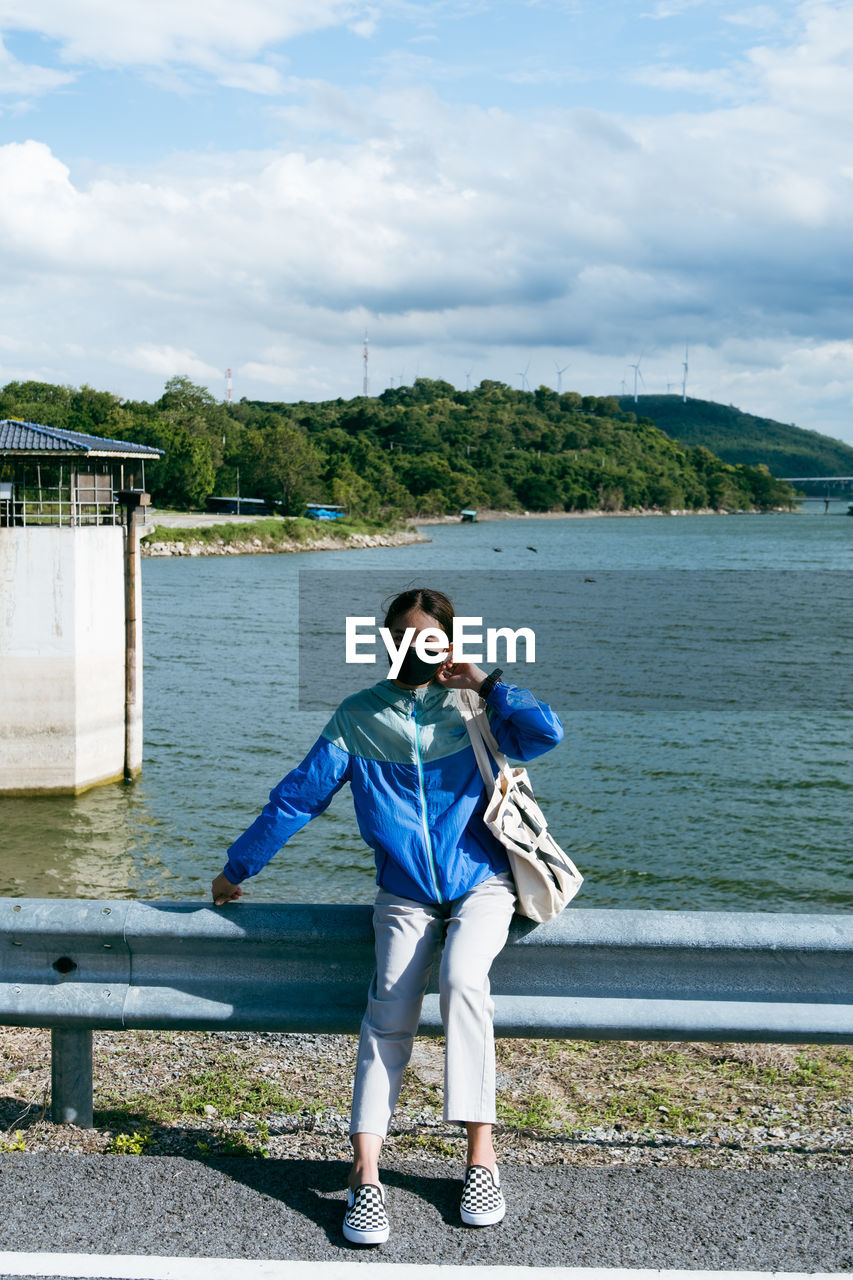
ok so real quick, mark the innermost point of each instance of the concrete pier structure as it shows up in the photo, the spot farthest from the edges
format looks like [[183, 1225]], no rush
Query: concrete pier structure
[[70, 610]]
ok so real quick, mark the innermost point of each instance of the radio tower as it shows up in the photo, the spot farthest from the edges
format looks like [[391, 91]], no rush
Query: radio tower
[[366, 384], [228, 385]]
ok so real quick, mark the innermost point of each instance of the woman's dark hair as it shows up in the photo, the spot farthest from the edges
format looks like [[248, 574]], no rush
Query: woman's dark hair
[[435, 603]]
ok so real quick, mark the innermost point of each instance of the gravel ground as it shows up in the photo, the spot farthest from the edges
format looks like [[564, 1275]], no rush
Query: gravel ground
[[560, 1102]]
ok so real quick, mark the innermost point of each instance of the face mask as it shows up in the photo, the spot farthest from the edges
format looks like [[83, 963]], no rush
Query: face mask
[[414, 671]]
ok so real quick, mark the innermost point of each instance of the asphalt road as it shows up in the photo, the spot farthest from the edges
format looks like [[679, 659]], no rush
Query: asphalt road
[[558, 1216]]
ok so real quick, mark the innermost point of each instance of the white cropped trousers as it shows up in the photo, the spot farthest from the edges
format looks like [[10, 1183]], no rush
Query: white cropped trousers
[[409, 936]]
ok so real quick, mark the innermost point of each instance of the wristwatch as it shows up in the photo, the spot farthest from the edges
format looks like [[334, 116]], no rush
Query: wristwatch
[[489, 683]]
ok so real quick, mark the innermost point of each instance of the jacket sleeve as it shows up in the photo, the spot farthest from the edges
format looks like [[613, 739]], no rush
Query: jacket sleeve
[[300, 796], [523, 727]]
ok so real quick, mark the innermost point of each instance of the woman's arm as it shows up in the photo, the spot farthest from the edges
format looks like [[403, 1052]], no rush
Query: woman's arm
[[300, 796], [523, 727]]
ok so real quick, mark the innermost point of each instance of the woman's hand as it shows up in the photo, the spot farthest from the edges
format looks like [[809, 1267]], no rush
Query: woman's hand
[[224, 891], [460, 675]]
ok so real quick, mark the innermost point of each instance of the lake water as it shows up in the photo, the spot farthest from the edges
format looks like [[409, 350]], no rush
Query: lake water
[[701, 667]]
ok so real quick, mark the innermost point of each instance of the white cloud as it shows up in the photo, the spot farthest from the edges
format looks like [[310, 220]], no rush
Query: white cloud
[[807, 66], [794, 382], [461, 235], [760, 16], [436, 206], [531, 73], [19, 80], [290, 379], [671, 9], [167, 361], [365, 25], [717, 83], [211, 35], [253, 77], [813, 73]]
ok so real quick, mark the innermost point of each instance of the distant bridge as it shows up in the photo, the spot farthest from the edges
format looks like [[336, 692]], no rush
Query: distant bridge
[[841, 483]]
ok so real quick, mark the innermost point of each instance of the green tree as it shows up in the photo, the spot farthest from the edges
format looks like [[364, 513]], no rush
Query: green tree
[[279, 464], [184, 476], [39, 402]]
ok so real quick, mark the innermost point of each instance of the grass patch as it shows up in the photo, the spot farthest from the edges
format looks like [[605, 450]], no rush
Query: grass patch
[[272, 531], [224, 1091], [645, 1107], [535, 1112], [168, 1093], [426, 1144], [232, 1093], [683, 1089]]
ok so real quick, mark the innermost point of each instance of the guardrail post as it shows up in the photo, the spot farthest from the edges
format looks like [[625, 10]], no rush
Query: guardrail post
[[71, 1077]]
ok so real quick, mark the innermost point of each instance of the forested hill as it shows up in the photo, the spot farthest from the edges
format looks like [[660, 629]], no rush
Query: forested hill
[[419, 450], [741, 437]]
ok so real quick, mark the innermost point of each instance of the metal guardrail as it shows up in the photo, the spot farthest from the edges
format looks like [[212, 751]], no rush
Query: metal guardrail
[[79, 966], [28, 506]]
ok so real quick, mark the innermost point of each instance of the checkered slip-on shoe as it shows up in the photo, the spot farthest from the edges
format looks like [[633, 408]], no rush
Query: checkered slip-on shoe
[[483, 1201], [365, 1220]]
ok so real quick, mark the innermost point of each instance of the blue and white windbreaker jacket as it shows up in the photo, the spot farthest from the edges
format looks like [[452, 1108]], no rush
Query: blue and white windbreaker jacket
[[417, 791]]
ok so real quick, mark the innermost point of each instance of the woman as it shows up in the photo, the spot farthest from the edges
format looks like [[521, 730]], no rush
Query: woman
[[443, 879]]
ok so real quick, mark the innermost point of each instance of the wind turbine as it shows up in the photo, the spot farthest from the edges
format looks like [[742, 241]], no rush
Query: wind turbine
[[560, 373], [637, 374], [525, 385], [684, 379]]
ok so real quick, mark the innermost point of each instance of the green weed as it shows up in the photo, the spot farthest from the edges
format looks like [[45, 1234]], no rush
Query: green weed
[[434, 1146], [642, 1106], [811, 1071], [129, 1144], [535, 1112], [231, 1094]]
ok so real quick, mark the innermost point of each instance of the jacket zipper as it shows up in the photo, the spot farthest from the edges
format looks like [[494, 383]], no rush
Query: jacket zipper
[[424, 821]]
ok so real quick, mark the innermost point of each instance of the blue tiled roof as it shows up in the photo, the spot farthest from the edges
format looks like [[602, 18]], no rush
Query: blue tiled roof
[[23, 438]]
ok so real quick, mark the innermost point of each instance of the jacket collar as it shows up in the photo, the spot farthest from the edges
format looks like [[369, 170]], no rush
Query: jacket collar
[[391, 693]]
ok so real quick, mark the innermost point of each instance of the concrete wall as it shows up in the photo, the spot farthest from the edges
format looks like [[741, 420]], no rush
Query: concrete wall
[[62, 659]]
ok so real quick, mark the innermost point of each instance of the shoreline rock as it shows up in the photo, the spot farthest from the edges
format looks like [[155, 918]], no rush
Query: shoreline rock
[[260, 546], [486, 515], [194, 547]]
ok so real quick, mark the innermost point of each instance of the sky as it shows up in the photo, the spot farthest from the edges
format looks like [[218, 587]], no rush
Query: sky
[[543, 192]]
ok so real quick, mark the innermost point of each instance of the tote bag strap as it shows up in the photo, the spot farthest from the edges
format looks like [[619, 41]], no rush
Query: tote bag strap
[[482, 739]]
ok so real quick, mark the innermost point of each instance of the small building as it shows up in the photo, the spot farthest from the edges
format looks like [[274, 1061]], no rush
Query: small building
[[468, 515], [324, 511], [237, 506], [70, 608]]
